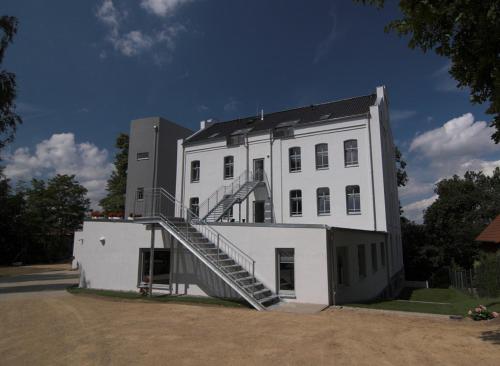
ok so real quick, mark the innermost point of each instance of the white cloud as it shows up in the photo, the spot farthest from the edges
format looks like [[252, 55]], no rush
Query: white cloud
[[459, 137], [231, 105], [61, 155], [324, 46], [414, 211], [162, 7], [399, 115], [459, 145], [135, 42]]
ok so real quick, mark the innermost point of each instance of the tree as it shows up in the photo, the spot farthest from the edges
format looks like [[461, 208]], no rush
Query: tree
[[8, 118], [465, 206], [56, 209], [117, 183], [465, 31], [402, 176]]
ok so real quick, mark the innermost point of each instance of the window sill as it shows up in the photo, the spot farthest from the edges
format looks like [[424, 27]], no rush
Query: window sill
[[324, 214], [325, 168], [296, 215], [228, 178], [354, 213], [295, 171], [195, 181], [351, 166]]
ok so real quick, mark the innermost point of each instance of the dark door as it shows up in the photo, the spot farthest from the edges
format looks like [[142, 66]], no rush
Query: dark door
[[258, 169], [258, 211]]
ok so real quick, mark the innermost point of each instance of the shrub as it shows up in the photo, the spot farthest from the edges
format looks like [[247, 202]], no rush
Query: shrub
[[481, 313]]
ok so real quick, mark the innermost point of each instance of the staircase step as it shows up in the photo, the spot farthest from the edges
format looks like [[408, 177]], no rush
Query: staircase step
[[252, 285], [261, 291], [245, 278], [267, 299]]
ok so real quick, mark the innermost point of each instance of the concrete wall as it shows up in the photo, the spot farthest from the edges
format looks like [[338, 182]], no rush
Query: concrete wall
[[311, 266], [114, 265], [358, 288], [140, 172]]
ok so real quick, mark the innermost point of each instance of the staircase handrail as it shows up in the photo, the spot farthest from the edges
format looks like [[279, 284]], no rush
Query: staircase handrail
[[215, 198], [203, 227]]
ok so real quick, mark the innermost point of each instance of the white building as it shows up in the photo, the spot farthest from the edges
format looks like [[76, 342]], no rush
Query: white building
[[298, 205]]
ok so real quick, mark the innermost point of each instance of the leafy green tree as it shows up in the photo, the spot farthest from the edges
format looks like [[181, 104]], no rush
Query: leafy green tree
[[8, 118], [465, 206], [117, 183], [465, 31], [402, 176], [56, 209]]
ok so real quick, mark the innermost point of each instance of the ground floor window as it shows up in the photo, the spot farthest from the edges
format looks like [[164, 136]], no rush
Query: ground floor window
[[161, 269], [286, 271], [342, 266]]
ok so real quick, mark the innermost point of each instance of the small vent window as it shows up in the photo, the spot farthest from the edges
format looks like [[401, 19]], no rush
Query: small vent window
[[142, 155]]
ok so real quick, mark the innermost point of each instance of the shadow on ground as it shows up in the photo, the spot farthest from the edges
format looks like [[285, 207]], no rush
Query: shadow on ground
[[492, 336]]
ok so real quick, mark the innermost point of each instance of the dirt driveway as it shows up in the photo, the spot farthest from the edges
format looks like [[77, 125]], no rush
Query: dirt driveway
[[81, 330]]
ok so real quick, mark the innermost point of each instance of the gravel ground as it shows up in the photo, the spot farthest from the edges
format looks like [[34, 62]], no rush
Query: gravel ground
[[46, 329]]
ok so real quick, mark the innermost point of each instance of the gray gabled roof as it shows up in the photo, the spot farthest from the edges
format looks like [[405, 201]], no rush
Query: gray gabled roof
[[296, 117]]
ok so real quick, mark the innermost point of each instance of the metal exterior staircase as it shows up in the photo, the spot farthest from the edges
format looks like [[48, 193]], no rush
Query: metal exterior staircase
[[228, 201], [217, 252]]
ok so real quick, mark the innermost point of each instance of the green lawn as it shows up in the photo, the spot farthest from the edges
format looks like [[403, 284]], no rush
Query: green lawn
[[457, 303], [198, 300]]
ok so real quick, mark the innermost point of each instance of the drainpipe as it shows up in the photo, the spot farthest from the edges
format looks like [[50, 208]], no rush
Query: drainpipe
[[371, 174], [151, 251], [247, 209], [271, 142]]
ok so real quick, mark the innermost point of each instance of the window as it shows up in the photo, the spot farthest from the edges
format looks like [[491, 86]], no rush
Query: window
[[195, 171], [353, 200], [342, 266], [323, 198], [286, 271], [322, 156], [296, 202], [382, 253], [294, 159], [228, 167], [351, 152], [361, 261], [142, 156], [161, 266], [139, 194], [194, 205], [374, 258]]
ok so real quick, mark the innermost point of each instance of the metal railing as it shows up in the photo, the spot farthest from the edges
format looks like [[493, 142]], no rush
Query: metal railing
[[211, 202], [160, 204]]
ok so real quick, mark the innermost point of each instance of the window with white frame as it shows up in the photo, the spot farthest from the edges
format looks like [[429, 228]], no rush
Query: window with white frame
[[323, 199], [139, 194], [294, 159], [286, 271], [228, 167], [322, 156], [142, 155], [353, 200], [296, 202], [194, 205], [195, 171], [351, 152]]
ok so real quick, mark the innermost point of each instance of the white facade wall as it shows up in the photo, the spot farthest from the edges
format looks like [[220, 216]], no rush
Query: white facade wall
[[311, 263], [309, 179], [114, 265]]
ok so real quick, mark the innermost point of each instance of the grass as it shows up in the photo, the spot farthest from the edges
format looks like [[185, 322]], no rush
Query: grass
[[183, 299], [451, 302]]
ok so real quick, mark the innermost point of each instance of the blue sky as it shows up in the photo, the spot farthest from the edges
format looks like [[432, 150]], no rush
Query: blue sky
[[86, 68]]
